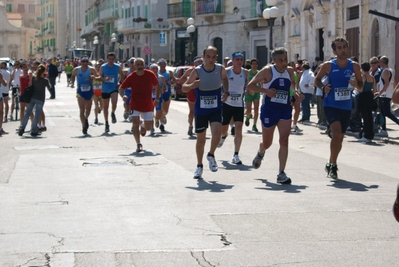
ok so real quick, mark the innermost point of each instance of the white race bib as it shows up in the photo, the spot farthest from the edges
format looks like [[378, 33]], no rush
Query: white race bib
[[111, 79], [235, 98], [281, 97], [341, 94], [209, 101], [85, 87], [97, 86]]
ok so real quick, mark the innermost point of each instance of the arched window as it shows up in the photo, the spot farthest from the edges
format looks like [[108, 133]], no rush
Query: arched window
[[218, 43], [375, 38]]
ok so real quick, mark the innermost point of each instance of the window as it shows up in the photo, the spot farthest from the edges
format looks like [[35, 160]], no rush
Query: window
[[21, 8], [353, 13], [31, 8], [9, 8]]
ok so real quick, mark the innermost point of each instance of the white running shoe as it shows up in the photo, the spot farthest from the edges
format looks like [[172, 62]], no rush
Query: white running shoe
[[364, 140], [382, 133], [282, 178], [222, 139], [212, 163], [236, 160], [198, 173]]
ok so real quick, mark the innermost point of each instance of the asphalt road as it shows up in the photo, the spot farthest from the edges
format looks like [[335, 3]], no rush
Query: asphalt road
[[73, 200]]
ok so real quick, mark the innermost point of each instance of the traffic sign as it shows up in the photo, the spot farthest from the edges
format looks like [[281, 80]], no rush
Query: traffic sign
[[121, 47], [147, 50]]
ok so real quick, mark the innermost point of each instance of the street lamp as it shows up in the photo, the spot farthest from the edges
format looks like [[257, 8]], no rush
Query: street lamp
[[191, 29], [95, 42], [113, 41], [84, 43], [270, 14]]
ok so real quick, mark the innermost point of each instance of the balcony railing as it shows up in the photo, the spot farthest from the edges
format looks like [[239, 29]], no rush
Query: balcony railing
[[180, 10], [109, 14], [124, 24], [88, 29], [205, 7]]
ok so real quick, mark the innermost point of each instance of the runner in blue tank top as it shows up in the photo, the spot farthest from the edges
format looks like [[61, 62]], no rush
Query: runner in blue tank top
[[344, 76], [208, 104], [109, 73], [170, 79], [276, 109], [84, 92]]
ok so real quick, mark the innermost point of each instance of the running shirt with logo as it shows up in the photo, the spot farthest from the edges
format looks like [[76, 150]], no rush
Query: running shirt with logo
[[389, 92], [340, 95], [111, 72], [85, 87], [208, 94], [281, 82], [237, 84]]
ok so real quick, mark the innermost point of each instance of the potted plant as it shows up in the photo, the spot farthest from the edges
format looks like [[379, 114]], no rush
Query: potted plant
[[159, 19], [144, 19], [147, 25]]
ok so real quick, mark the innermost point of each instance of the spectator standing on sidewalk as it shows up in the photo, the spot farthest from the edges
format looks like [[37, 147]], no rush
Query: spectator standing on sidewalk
[[306, 87], [52, 71], [3, 82]]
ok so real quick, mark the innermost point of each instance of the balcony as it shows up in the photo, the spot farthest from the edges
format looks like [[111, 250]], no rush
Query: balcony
[[151, 25], [39, 19], [210, 10], [109, 14], [88, 30], [180, 12], [125, 25]]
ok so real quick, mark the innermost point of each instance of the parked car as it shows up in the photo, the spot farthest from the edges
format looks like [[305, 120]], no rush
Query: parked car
[[177, 92]]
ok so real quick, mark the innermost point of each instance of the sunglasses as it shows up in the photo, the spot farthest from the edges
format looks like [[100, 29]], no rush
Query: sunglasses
[[84, 61], [376, 62]]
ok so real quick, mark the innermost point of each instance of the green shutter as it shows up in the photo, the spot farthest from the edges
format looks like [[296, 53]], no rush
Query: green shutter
[[86, 20], [146, 11], [107, 29], [186, 8]]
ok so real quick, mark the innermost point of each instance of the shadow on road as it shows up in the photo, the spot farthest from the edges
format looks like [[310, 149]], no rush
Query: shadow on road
[[241, 167], [352, 186], [211, 186], [281, 187]]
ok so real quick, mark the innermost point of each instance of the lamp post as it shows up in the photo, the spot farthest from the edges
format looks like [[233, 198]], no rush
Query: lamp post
[[113, 41], [84, 43], [66, 51], [191, 29], [270, 14], [95, 42]]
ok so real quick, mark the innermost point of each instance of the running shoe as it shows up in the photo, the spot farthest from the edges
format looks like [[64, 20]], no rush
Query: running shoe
[[125, 115], [84, 130], [143, 131], [5, 119], [139, 148], [222, 139], [162, 128], [113, 117], [331, 170], [382, 133], [152, 132], [396, 205], [106, 127], [2, 131], [254, 129], [247, 121], [95, 121], [295, 129], [257, 161], [35, 134], [236, 160], [198, 173], [212, 163], [157, 123], [364, 140], [190, 130], [164, 121], [282, 178], [86, 124], [11, 118], [20, 131], [233, 130]]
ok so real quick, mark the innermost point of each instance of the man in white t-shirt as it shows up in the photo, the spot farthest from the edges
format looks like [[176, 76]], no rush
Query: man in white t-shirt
[[5, 89], [15, 84]]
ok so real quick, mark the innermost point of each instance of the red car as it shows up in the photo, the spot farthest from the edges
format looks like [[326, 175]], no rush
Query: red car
[[179, 71]]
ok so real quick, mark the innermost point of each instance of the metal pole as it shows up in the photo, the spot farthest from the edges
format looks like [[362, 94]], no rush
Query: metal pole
[[271, 20]]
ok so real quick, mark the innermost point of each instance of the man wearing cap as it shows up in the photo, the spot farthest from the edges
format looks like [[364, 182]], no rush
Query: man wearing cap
[[52, 76], [206, 81], [141, 83], [84, 91], [191, 94], [109, 73], [233, 107], [169, 79]]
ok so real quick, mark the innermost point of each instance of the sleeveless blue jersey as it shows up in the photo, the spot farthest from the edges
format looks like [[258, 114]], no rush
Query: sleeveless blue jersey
[[112, 73], [166, 76], [85, 86], [208, 95], [340, 96], [281, 81]]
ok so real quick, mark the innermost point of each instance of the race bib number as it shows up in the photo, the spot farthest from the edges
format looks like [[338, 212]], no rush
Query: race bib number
[[341, 94], [281, 97], [111, 79], [236, 98], [85, 88], [209, 101], [97, 86]]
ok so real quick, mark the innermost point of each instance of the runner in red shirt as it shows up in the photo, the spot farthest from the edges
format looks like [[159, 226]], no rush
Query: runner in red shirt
[[141, 82]]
